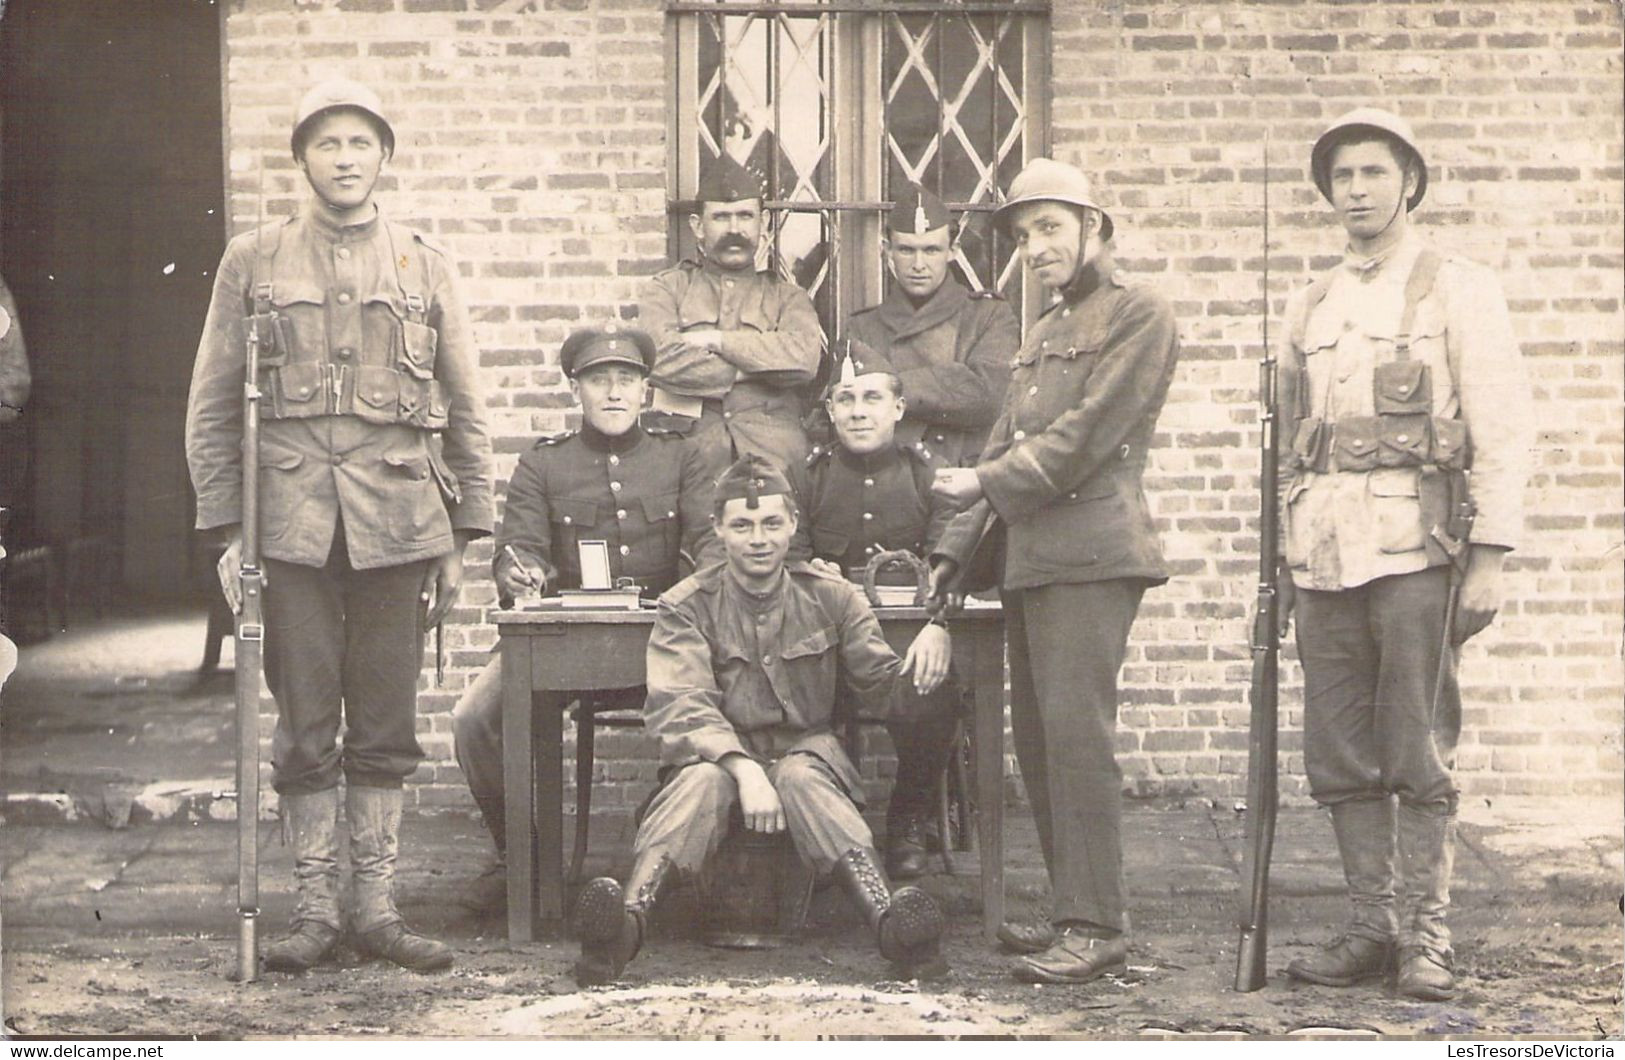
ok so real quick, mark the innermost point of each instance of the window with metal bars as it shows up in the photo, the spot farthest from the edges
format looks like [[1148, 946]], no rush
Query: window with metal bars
[[837, 104]]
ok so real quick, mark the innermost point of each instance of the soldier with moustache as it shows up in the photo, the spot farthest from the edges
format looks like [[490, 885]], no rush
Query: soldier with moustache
[[742, 669], [644, 492], [865, 493], [949, 347], [1059, 520], [1406, 405], [374, 471], [736, 346]]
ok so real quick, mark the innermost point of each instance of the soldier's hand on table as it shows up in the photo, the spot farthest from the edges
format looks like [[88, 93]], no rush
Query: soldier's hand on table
[[1480, 592], [515, 581], [928, 658], [441, 583], [958, 486], [758, 801]]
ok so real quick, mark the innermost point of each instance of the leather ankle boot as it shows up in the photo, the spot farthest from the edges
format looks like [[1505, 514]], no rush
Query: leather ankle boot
[[908, 924], [375, 827], [313, 821], [611, 920]]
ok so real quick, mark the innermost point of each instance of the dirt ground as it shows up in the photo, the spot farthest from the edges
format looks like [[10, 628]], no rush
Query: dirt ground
[[94, 945]]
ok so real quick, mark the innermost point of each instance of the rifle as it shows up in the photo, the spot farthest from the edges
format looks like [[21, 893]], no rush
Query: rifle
[[250, 657], [1262, 794]]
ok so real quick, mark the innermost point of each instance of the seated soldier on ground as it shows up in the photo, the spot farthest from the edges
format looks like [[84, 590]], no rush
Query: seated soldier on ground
[[742, 667], [643, 493], [866, 494]]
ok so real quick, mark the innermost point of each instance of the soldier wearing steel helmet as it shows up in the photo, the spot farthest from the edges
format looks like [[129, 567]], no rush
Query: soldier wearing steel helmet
[[644, 492], [737, 346], [1399, 372], [374, 474], [950, 347], [1058, 519]]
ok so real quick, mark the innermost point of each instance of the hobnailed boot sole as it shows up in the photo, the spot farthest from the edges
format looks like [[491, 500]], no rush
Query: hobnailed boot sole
[[601, 926], [911, 932]]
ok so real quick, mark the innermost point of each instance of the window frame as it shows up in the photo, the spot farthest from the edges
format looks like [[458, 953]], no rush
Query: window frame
[[859, 160]]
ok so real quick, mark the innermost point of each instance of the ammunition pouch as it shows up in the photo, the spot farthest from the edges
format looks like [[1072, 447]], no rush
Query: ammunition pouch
[[1365, 443], [369, 392]]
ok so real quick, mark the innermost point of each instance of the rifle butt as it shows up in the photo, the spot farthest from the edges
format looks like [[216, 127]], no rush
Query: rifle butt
[[1250, 959], [249, 663]]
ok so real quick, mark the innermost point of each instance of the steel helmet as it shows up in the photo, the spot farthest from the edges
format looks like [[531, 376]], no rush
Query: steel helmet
[[1046, 180], [1370, 119], [341, 92]]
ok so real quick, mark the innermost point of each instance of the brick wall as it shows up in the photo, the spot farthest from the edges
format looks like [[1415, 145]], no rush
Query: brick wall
[[532, 145]]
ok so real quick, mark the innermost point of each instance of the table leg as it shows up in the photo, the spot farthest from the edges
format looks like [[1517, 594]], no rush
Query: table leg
[[549, 756], [518, 792], [988, 681]]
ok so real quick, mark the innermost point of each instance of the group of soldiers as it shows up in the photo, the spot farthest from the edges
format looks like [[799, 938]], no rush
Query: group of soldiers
[[746, 501]]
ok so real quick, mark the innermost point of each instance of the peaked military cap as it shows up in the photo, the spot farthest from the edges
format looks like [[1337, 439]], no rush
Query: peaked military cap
[[1365, 120], [856, 358], [751, 477], [340, 92], [610, 344], [725, 180], [917, 212], [1046, 180]]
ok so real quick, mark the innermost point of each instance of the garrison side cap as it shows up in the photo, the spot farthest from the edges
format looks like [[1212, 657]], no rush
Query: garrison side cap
[[917, 212], [341, 92], [724, 180], [1368, 119], [609, 344], [751, 477], [854, 358], [1046, 180]]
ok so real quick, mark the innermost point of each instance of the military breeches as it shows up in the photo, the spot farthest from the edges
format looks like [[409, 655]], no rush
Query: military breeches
[[1370, 657], [1066, 645], [341, 642], [476, 727], [691, 814]]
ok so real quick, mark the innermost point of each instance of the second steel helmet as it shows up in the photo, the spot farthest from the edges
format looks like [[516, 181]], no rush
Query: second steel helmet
[[1046, 180], [1366, 120], [336, 93]]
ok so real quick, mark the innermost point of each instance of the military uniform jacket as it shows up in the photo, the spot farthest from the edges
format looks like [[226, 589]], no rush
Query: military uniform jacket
[[771, 347], [646, 495], [1344, 528], [1062, 468], [952, 355], [855, 507], [369, 416], [15, 380], [733, 672]]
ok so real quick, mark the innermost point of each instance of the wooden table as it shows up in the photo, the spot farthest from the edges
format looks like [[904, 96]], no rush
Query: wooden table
[[545, 653]]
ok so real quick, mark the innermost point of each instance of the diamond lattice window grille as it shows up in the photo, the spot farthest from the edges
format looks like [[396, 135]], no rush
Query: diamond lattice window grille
[[837, 103]]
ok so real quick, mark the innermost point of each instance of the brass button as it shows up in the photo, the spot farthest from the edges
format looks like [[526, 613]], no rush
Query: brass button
[[868, 515], [344, 253], [337, 460], [626, 550], [1032, 390], [613, 459], [1019, 435], [616, 486], [767, 660], [868, 482], [620, 513], [342, 352], [344, 298], [567, 520]]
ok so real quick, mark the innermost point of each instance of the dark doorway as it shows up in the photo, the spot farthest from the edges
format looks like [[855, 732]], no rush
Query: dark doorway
[[111, 189]]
